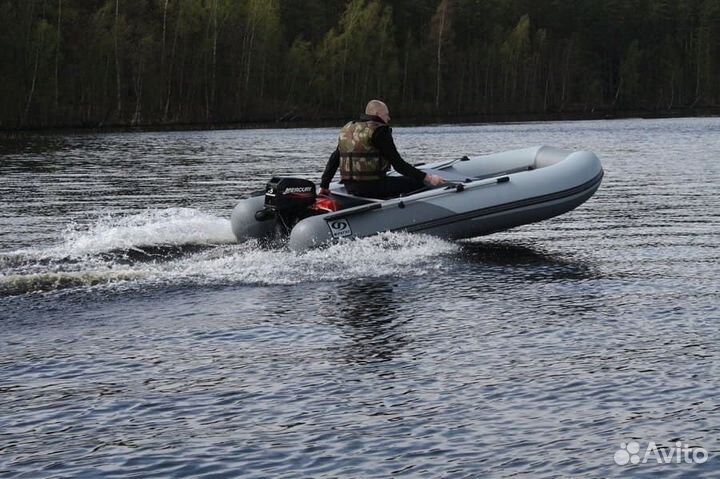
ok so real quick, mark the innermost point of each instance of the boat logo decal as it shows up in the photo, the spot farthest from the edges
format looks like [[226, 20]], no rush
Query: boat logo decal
[[339, 228], [298, 189]]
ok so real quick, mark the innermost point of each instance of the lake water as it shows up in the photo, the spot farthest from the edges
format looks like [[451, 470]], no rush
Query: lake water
[[138, 339]]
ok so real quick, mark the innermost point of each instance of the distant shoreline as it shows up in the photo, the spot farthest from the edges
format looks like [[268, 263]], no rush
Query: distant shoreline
[[335, 122]]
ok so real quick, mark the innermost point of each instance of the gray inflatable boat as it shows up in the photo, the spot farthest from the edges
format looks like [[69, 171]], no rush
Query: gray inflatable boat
[[485, 194]]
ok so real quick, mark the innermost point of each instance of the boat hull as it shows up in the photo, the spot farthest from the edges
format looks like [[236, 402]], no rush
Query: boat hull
[[489, 193]]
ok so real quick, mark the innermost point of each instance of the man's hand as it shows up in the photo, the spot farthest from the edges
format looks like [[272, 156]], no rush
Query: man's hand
[[325, 191], [433, 180]]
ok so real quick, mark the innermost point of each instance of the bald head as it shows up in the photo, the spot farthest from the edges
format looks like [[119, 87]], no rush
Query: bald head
[[378, 108]]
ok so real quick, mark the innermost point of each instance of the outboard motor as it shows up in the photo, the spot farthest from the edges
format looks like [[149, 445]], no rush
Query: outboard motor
[[288, 200]]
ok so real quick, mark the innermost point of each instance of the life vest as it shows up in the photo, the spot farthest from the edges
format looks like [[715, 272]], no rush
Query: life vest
[[359, 159]]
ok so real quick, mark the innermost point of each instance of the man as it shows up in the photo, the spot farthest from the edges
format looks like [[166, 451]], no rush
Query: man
[[365, 153]]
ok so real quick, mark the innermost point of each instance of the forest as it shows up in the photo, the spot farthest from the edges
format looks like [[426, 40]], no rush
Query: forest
[[99, 63]]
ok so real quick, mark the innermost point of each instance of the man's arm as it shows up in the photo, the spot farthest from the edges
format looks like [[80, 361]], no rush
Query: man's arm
[[383, 141], [330, 169]]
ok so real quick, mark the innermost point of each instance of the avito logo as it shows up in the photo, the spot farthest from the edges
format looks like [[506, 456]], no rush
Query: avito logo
[[679, 453]]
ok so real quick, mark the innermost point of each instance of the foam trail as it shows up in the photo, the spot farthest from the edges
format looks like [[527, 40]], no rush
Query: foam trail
[[384, 255], [172, 226], [12, 285]]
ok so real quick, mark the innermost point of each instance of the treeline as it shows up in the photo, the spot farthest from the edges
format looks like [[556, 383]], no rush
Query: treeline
[[135, 62]]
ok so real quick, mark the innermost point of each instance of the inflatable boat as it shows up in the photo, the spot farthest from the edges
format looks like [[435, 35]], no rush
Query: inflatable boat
[[484, 194]]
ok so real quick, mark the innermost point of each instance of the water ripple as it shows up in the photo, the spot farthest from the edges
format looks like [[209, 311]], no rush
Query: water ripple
[[139, 340]]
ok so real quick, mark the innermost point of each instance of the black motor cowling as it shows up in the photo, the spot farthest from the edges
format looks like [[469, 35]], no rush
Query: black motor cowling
[[287, 200], [289, 195]]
